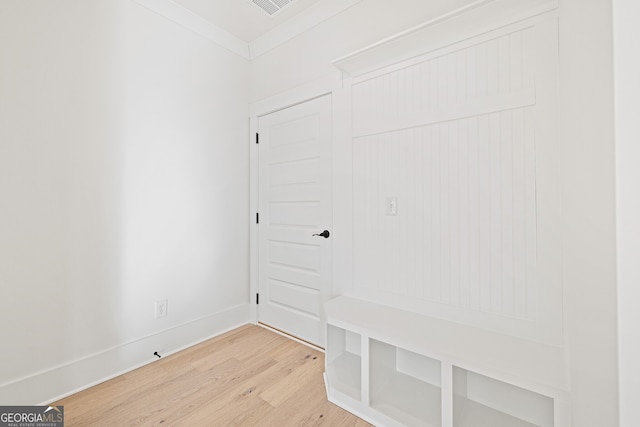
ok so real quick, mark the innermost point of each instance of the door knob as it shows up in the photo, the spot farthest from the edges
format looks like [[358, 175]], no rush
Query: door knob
[[324, 234]]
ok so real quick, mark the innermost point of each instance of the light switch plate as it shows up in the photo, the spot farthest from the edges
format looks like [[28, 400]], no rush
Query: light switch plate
[[391, 206]]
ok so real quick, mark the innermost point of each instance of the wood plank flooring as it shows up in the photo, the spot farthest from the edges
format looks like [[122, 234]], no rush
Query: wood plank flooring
[[247, 377]]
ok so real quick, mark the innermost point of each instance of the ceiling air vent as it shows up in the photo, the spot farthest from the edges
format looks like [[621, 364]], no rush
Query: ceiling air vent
[[272, 7]]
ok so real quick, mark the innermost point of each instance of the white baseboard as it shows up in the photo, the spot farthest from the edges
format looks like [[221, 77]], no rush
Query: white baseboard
[[48, 386]]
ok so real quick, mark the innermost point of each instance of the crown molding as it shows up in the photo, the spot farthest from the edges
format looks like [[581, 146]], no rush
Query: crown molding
[[193, 22], [478, 17], [298, 24]]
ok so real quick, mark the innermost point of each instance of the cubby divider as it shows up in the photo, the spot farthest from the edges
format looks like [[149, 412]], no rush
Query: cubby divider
[[395, 368], [481, 401], [405, 385], [344, 361]]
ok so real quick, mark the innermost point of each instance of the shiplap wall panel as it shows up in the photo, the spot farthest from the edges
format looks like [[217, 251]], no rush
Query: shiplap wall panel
[[464, 230], [489, 76], [453, 137]]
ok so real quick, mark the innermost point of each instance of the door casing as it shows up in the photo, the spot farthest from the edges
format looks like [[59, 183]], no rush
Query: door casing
[[341, 176]]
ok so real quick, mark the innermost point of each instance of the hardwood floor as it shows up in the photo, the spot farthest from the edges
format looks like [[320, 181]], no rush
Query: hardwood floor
[[247, 377]]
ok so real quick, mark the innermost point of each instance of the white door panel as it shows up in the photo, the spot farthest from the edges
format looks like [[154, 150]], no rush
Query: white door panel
[[295, 267]]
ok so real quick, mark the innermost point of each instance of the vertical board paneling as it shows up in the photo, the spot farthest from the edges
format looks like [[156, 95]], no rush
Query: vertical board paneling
[[528, 55], [515, 57], [474, 214], [445, 219], [420, 232], [519, 207], [443, 82], [495, 213], [426, 290], [492, 67], [452, 79], [453, 242], [463, 212], [412, 212], [530, 213], [482, 69], [504, 60], [484, 229], [506, 180], [436, 214], [465, 232]]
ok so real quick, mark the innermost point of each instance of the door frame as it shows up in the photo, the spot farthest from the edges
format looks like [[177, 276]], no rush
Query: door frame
[[341, 159]]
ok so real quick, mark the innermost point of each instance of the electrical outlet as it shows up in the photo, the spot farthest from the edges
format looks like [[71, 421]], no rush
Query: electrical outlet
[[161, 308]]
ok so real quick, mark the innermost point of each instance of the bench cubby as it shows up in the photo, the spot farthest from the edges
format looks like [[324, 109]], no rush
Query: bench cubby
[[392, 367]]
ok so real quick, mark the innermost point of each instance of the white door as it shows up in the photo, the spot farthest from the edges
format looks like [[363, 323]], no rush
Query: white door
[[295, 267]]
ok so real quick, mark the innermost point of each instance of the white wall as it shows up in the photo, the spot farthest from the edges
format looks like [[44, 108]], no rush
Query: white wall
[[123, 180], [627, 95]]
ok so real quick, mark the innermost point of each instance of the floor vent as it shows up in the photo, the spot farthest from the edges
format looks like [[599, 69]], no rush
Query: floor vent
[[272, 7]]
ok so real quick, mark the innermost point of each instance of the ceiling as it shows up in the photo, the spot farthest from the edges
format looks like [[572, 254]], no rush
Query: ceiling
[[242, 18]]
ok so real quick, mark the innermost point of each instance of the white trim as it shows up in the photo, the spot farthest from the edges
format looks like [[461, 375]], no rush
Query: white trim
[[331, 84], [291, 337], [254, 207], [516, 99], [627, 129], [53, 384], [193, 22], [453, 27], [300, 23], [462, 44], [342, 178], [295, 95], [409, 31]]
